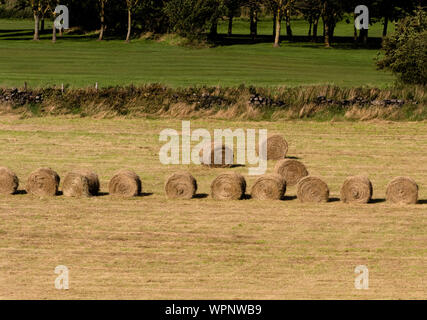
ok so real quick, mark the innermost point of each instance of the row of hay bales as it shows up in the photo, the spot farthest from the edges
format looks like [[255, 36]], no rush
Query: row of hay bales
[[227, 186], [78, 183], [288, 172]]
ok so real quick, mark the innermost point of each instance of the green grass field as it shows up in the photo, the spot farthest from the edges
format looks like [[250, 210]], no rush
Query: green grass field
[[81, 61]]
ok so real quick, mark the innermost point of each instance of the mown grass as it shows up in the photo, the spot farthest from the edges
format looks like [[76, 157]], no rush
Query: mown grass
[[81, 61], [153, 248]]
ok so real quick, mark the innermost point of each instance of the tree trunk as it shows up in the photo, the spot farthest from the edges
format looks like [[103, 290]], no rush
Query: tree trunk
[[36, 26], [310, 22], [327, 34], [54, 31], [61, 32], [355, 30], [274, 24], [385, 27], [254, 25], [324, 27], [101, 33], [315, 25], [42, 25], [331, 32], [288, 24], [129, 25], [278, 29], [214, 29], [364, 36], [230, 25]]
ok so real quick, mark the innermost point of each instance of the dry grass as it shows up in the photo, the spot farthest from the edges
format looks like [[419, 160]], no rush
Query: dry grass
[[222, 103], [153, 248]]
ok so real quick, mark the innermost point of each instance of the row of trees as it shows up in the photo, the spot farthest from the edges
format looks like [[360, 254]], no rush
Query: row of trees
[[195, 18]]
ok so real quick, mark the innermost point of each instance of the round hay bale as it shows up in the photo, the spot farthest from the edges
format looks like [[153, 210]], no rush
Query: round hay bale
[[9, 182], [312, 189], [402, 190], [269, 187], [81, 183], [181, 185], [357, 189], [219, 150], [277, 147], [228, 186], [125, 183], [43, 182], [291, 170]]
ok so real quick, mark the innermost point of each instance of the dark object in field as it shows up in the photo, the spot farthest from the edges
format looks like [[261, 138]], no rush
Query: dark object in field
[[181, 185], [312, 189], [291, 170], [81, 183], [357, 189], [9, 182], [402, 190], [228, 186], [43, 182], [269, 187], [125, 183], [17, 97]]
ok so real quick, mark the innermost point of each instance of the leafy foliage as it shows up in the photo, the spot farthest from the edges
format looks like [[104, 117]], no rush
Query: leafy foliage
[[190, 18], [405, 52]]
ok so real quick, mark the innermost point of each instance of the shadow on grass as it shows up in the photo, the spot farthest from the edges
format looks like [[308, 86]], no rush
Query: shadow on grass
[[377, 200], [146, 194], [15, 30], [339, 42], [334, 200], [289, 198], [201, 196], [237, 166], [141, 195], [220, 40], [20, 192], [28, 35]]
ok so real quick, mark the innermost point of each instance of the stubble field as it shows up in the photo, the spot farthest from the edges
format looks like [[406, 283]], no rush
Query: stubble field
[[153, 248]]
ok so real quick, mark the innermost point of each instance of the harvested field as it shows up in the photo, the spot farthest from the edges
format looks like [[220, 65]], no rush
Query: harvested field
[[151, 247]]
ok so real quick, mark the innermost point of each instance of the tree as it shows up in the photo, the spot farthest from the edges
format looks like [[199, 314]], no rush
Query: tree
[[191, 18], [391, 10], [405, 52], [131, 5], [280, 7], [332, 13], [39, 8], [254, 7], [232, 8], [311, 10], [288, 12], [102, 18], [52, 6]]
